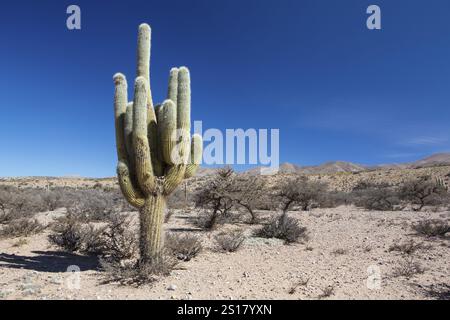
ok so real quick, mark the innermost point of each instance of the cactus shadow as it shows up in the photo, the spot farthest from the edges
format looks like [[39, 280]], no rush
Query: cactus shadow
[[48, 261]]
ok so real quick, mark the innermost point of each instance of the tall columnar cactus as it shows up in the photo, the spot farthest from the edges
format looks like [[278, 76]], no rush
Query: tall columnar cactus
[[154, 148]]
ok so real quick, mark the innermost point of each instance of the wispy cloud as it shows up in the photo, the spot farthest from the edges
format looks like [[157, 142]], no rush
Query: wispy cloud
[[426, 141]]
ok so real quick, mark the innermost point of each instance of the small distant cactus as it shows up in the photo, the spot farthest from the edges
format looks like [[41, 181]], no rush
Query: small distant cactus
[[441, 183], [154, 148]]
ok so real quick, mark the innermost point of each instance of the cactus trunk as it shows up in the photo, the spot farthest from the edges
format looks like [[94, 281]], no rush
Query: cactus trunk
[[151, 231]]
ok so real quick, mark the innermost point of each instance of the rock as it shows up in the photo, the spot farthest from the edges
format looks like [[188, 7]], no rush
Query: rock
[[172, 287]]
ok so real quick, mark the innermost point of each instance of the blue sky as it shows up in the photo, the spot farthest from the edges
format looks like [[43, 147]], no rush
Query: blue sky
[[336, 90]]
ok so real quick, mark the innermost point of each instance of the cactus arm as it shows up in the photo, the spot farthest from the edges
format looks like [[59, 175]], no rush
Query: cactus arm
[[167, 130], [173, 85], [143, 60], [129, 138], [174, 176], [196, 156], [184, 114], [131, 193], [144, 169], [143, 70], [120, 104]]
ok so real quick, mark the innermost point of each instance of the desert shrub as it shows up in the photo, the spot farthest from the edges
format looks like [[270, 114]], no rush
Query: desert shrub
[[248, 193], [183, 246], [327, 292], [137, 273], [408, 247], [115, 241], [52, 199], [230, 241], [119, 239], [301, 192], [407, 268], [382, 197], [333, 199], [423, 191], [339, 251], [283, 227], [431, 227], [93, 205], [68, 233], [179, 198], [216, 199], [21, 228]]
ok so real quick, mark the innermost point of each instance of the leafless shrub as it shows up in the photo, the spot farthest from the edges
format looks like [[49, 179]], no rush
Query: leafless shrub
[[119, 239], [283, 227], [327, 292], [423, 191], [94, 205], [333, 199], [248, 193], [370, 196], [216, 198], [408, 268], [115, 241], [300, 191], [68, 233], [183, 246], [230, 241], [301, 283], [53, 199], [180, 198], [339, 251], [409, 247], [431, 227], [137, 273], [21, 228]]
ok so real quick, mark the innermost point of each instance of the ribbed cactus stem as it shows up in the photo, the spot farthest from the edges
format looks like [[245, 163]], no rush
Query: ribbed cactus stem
[[151, 228], [154, 147]]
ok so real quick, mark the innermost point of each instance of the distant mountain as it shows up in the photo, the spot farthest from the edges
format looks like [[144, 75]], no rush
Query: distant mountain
[[435, 159], [343, 166]]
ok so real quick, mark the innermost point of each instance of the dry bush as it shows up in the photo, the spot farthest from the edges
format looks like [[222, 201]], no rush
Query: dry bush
[[283, 227], [119, 239], [248, 192], [116, 241], [179, 198], [137, 273], [183, 246], [327, 292], [333, 199], [216, 199], [21, 228], [339, 251], [300, 283], [423, 191], [93, 205], [301, 192], [408, 268], [431, 227], [409, 247], [381, 197], [68, 233], [230, 241]]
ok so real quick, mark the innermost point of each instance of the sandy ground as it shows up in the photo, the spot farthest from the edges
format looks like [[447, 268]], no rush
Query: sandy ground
[[348, 251]]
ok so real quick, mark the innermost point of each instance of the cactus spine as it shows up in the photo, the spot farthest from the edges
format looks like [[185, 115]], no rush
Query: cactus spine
[[154, 148]]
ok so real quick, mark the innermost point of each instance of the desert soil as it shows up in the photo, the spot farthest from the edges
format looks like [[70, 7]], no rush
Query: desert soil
[[346, 246]]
